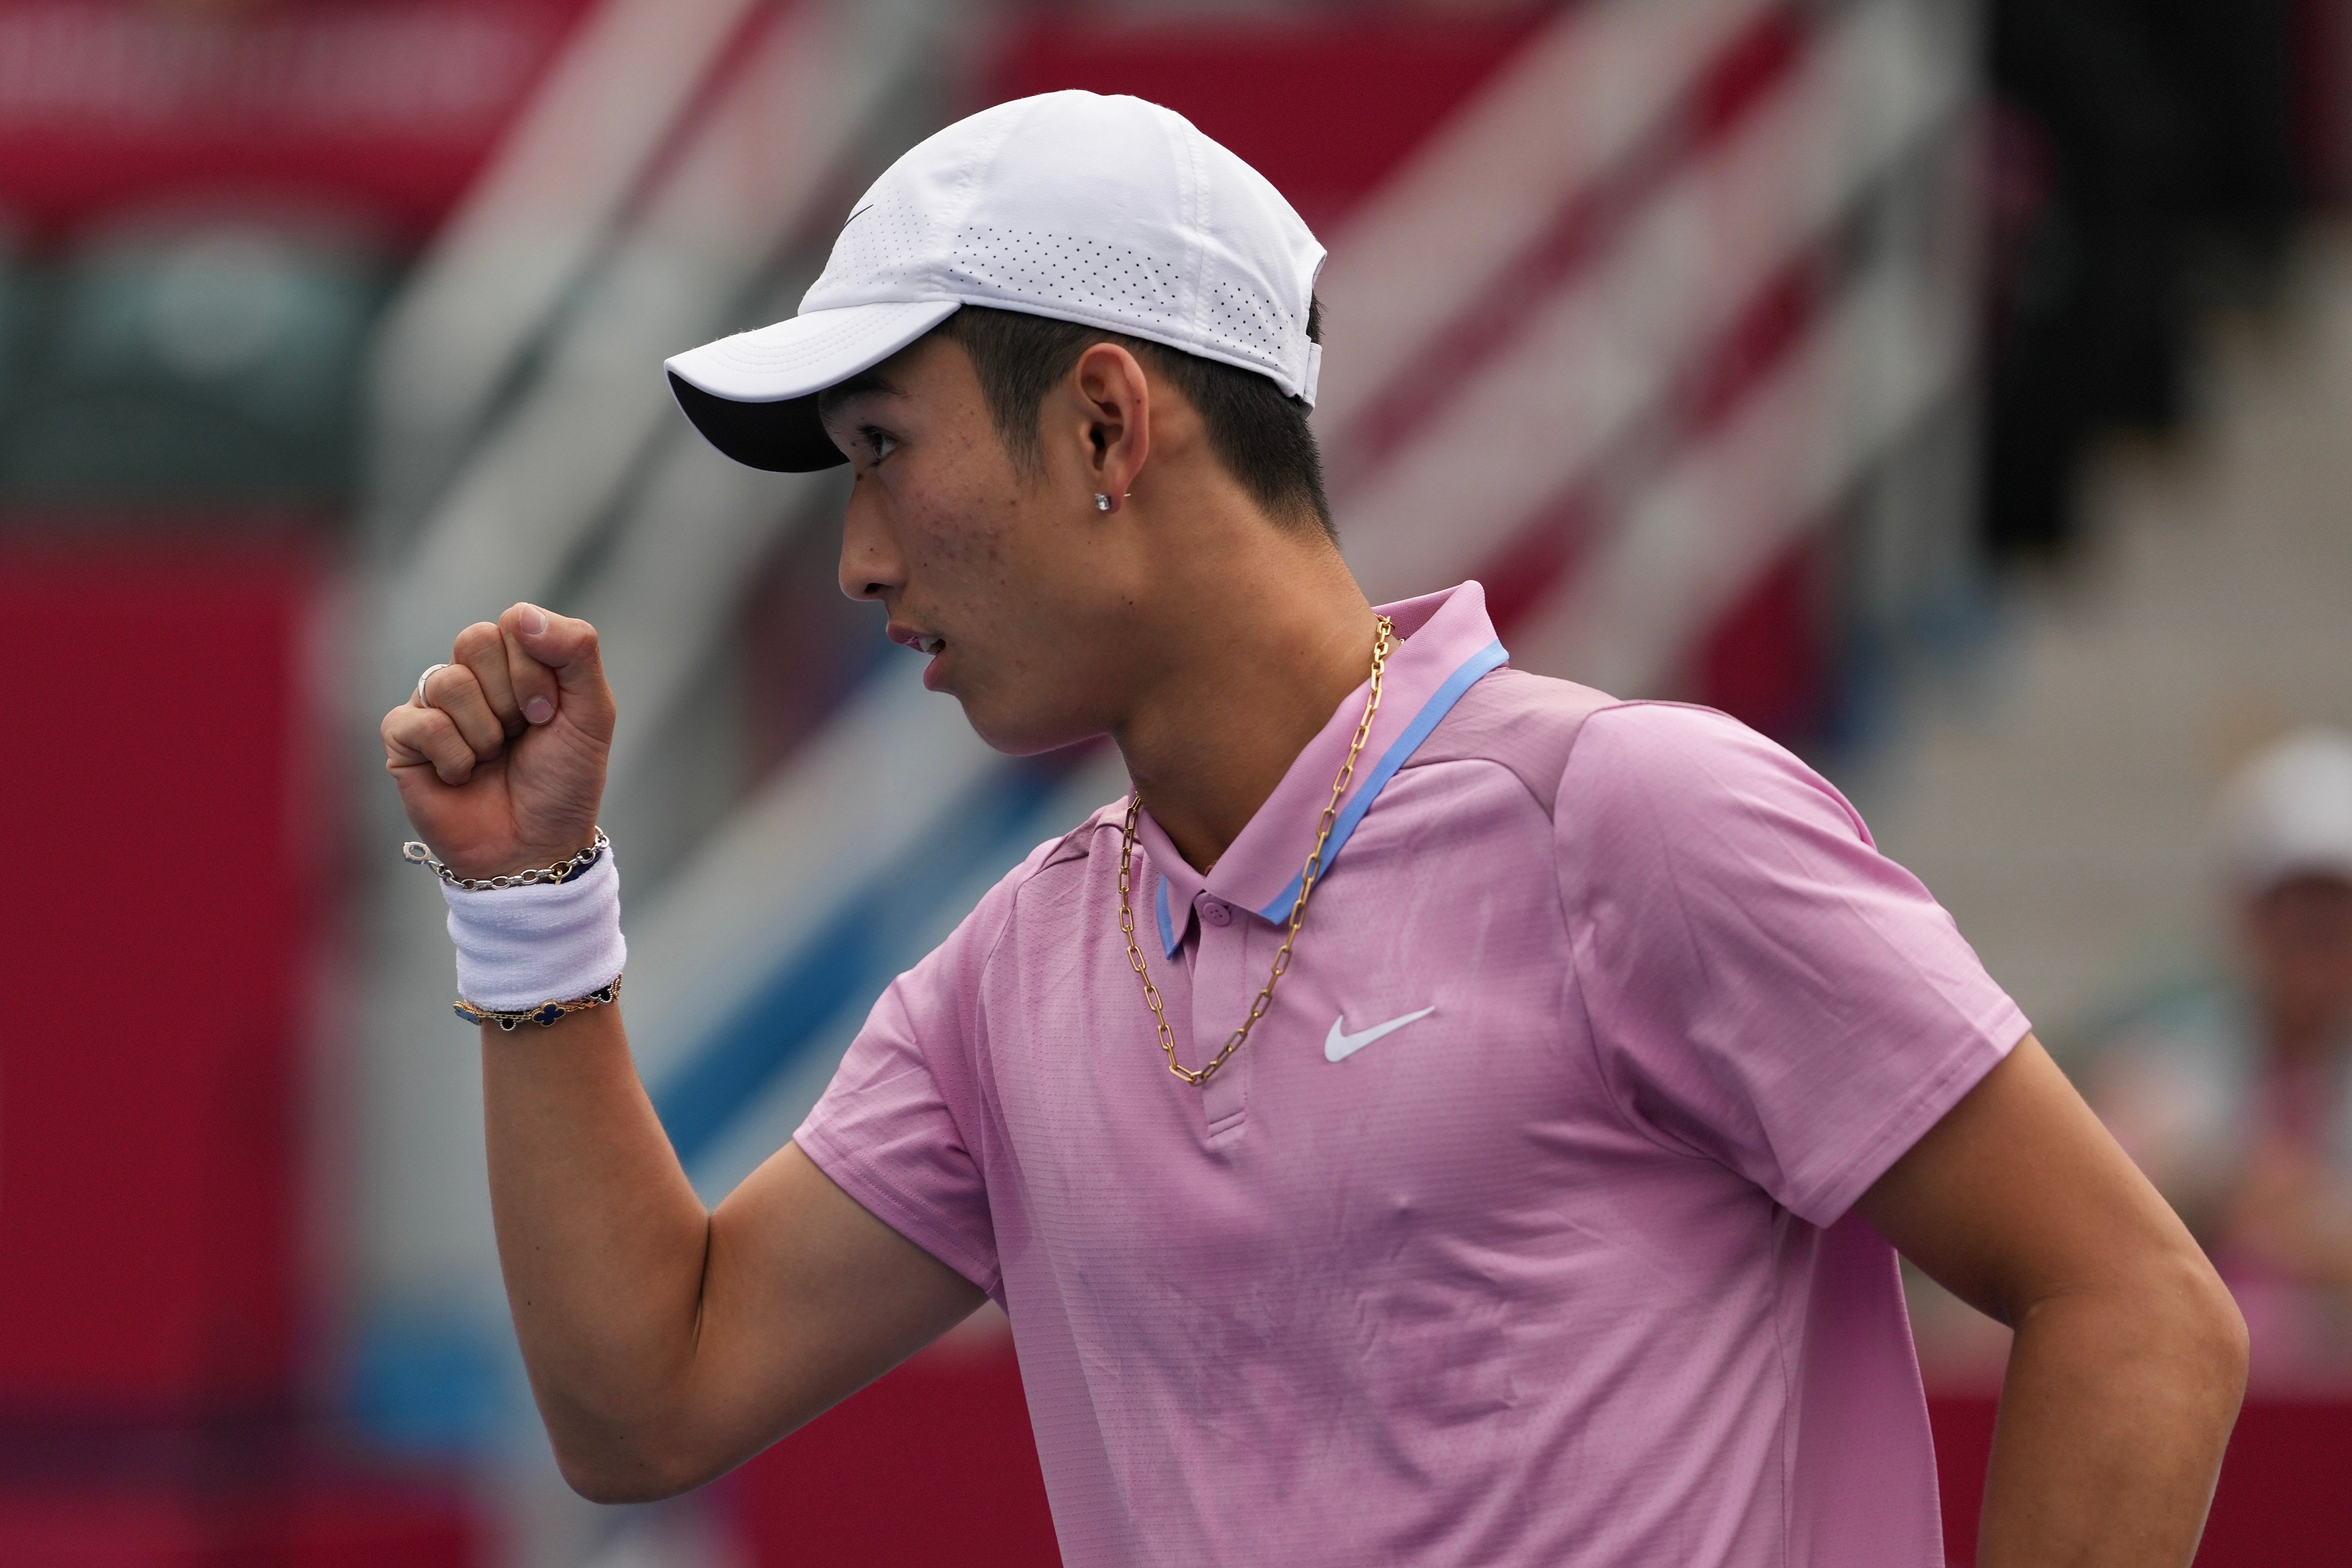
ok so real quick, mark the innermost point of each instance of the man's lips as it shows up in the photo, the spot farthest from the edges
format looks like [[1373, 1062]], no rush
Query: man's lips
[[920, 641], [923, 641]]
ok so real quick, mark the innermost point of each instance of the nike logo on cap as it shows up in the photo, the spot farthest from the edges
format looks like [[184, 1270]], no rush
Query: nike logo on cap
[[1338, 1045]]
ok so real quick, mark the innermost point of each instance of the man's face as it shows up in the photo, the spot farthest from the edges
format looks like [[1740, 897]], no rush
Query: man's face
[[1021, 593], [2300, 934]]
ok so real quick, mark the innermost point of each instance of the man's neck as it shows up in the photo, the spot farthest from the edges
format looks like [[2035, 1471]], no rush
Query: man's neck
[[1262, 654]]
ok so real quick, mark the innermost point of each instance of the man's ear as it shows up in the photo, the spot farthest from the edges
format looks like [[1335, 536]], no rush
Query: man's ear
[[1116, 397]]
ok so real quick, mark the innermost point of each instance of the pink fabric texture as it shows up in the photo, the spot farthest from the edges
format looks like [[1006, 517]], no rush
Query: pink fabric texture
[[1560, 1271]]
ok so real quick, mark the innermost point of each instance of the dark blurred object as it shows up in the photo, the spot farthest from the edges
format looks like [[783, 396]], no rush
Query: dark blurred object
[[187, 363], [2140, 148], [2323, 97]]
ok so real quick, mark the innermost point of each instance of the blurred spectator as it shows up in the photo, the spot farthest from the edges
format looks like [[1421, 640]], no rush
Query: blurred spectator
[[2235, 1096]]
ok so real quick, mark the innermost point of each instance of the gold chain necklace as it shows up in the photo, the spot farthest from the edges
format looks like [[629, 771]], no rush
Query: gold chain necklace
[[1306, 880]]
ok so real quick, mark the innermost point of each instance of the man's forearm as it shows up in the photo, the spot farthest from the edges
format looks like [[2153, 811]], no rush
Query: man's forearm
[[665, 1343], [2113, 1420], [601, 1238], [2130, 1357]]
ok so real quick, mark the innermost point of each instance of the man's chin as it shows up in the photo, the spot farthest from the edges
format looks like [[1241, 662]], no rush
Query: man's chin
[[1024, 734]]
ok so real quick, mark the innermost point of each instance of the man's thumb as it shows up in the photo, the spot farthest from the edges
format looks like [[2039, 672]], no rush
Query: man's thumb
[[566, 648]]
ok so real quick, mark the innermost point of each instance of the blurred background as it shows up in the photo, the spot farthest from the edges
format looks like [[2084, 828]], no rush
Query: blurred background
[[1956, 389]]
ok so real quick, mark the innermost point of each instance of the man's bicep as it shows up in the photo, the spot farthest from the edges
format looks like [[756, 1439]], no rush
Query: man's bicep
[[808, 1297], [2019, 1194]]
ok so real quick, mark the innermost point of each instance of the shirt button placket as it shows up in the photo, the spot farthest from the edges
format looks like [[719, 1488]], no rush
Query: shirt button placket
[[1221, 999]]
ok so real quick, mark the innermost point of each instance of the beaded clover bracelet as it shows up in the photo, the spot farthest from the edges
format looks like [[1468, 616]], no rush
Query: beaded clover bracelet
[[543, 1014]]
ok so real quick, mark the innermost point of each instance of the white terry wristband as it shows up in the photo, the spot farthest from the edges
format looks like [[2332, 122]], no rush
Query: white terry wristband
[[518, 948]]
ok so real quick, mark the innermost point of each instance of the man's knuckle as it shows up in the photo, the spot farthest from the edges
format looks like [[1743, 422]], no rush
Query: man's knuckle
[[476, 641], [457, 688]]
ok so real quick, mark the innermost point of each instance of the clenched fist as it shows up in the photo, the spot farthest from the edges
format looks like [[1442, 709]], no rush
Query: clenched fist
[[500, 758]]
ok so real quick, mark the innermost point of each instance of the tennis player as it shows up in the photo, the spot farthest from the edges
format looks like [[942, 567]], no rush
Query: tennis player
[[1442, 1116]]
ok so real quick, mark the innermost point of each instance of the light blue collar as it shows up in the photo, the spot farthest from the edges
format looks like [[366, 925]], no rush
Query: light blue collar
[[1400, 749]]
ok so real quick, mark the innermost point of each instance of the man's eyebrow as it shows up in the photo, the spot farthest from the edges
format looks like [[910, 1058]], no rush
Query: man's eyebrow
[[864, 381]]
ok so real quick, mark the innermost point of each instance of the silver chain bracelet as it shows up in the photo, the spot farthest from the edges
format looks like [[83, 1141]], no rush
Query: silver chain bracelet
[[417, 854]]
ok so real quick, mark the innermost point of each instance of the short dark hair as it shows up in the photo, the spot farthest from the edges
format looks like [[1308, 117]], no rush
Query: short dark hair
[[1260, 434]]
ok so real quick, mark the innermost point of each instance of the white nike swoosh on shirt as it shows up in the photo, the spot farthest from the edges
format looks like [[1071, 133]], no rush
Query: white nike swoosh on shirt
[[1338, 1045]]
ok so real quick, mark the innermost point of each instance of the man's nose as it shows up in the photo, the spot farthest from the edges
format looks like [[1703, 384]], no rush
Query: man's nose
[[870, 567]]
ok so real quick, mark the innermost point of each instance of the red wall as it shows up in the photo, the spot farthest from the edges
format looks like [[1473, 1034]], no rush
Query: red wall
[[158, 916], [934, 1464]]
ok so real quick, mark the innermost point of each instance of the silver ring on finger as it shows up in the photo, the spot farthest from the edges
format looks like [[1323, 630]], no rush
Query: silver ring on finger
[[430, 670]]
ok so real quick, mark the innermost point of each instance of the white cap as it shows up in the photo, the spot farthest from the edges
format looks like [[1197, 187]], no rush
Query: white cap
[[2288, 812], [1108, 211]]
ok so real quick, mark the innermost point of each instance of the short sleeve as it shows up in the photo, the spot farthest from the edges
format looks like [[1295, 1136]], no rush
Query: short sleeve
[[895, 1129], [1762, 987]]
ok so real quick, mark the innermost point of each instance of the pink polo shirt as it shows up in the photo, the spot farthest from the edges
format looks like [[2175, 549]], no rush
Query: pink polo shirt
[[1517, 1232]]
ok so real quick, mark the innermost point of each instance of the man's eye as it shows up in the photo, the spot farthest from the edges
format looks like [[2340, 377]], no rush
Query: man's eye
[[881, 444]]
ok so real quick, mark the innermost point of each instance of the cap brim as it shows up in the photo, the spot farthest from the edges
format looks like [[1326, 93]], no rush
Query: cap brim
[[753, 395]]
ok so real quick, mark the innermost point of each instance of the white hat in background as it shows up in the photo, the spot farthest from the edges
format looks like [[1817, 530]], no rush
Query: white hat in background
[[1111, 212], [2288, 812]]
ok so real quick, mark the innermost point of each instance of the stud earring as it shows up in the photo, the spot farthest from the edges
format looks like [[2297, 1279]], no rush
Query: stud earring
[[1102, 501]]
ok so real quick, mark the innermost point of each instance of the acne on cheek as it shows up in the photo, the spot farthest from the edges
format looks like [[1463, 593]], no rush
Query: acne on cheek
[[959, 542], [975, 534]]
